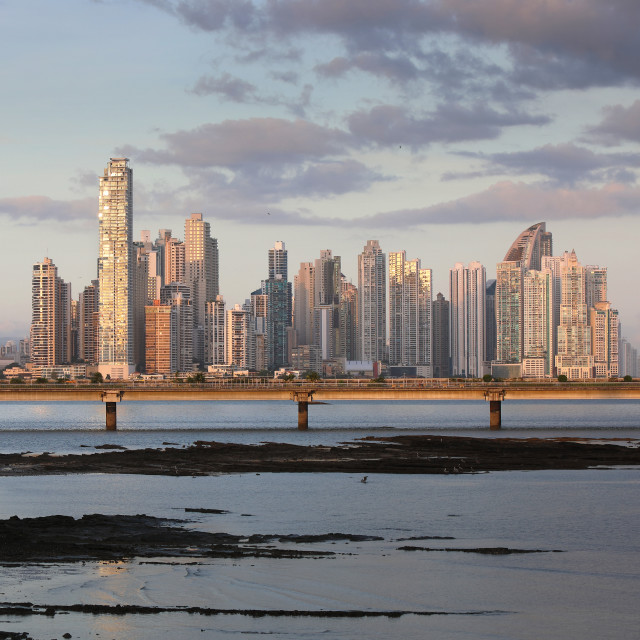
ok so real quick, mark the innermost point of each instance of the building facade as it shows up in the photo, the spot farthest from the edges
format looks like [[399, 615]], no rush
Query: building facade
[[372, 303], [467, 291], [115, 269]]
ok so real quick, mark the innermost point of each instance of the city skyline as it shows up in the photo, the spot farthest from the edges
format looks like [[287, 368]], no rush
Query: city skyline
[[429, 126]]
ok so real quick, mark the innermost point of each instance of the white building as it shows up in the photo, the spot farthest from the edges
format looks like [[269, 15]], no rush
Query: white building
[[467, 292], [372, 303], [115, 269]]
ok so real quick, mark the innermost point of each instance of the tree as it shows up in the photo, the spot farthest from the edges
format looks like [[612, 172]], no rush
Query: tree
[[562, 378], [487, 377], [312, 376], [96, 378], [17, 380], [627, 378]]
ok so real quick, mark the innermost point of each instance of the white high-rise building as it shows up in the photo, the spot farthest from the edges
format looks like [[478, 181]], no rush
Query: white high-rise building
[[467, 287], [46, 315], [214, 332], [537, 324], [303, 303], [200, 273], [178, 296], [239, 338], [604, 324], [116, 263], [410, 307], [372, 303], [574, 357]]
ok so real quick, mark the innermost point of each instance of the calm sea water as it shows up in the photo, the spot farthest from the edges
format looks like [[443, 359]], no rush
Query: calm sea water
[[590, 590], [64, 427]]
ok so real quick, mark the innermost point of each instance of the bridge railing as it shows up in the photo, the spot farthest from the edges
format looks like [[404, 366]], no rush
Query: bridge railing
[[341, 383]]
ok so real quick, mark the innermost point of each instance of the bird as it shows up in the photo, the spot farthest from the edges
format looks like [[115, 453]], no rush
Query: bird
[[364, 479], [268, 213]]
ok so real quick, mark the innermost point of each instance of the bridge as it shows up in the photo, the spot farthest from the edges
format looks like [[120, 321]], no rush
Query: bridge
[[319, 392]]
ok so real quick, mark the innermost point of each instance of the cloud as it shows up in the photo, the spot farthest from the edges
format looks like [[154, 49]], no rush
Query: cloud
[[234, 143], [226, 86], [550, 43], [619, 125], [29, 209], [604, 33], [517, 201], [390, 125], [565, 163]]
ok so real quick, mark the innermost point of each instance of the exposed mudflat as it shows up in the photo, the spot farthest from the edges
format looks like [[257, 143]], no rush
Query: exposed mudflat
[[113, 537], [400, 454]]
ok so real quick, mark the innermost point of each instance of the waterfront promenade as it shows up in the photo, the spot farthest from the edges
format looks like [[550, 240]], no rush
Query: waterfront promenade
[[306, 393]]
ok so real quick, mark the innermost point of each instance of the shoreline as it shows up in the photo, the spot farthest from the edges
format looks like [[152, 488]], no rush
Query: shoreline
[[423, 454]]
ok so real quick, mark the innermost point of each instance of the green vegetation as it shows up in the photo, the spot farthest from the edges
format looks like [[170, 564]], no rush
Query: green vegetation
[[562, 378], [627, 378], [16, 380], [312, 376], [487, 377], [96, 378]]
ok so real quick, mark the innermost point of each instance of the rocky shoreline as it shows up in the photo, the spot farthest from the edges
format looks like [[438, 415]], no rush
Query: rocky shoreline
[[420, 454]]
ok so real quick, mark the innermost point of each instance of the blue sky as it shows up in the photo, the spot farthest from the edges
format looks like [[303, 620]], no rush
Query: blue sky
[[442, 127]]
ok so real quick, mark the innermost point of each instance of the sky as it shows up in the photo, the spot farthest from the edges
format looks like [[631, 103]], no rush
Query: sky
[[439, 127]]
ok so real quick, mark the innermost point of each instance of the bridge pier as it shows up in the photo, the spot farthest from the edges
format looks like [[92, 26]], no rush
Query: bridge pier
[[495, 399], [303, 398], [110, 398]]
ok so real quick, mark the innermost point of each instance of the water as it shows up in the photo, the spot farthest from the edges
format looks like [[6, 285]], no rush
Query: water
[[65, 427], [588, 591]]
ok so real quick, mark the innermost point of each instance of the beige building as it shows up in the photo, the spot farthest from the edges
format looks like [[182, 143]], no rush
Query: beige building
[[116, 262], [158, 319], [47, 329]]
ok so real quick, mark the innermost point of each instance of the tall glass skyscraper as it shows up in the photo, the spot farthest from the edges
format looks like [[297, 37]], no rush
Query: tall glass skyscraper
[[115, 269]]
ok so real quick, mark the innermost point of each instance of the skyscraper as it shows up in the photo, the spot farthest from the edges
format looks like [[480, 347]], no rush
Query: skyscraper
[[201, 274], [46, 315], [574, 357], [525, 254], [440, 341], [277, 290], [537, 324], [115, 269], [326, 312], [409, 312], [278, 261], [88, 324], [304, 295], [372, 303], [158, 333], [467, 286], [178, 296], [214, 331], [604, 324]]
